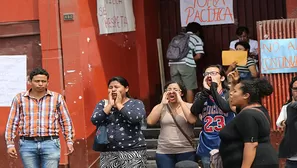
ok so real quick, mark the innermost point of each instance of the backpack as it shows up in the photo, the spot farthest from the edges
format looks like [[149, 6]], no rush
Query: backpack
[[178, 47]]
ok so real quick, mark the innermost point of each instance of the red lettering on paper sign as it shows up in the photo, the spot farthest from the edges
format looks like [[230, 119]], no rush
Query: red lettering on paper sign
[[116, 22], [208, 11]]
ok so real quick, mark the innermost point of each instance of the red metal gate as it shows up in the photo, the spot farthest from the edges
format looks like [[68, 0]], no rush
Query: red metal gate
[[277, 29]]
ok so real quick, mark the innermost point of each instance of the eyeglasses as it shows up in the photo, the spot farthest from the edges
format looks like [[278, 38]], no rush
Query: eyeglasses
[[174, 89], [294, 89], [212, 73]]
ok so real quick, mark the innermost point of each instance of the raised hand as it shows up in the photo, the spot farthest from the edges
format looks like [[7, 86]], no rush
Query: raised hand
[[165, 98], [206, 83], [119, 99], [215, 80], [110, 99], [233, 65], [234, 77], [178, 97]]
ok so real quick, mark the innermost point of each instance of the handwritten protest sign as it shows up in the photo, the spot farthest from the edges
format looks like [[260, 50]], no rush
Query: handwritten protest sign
[[13, 77], [115, 16], [278, 56], [206, 12]]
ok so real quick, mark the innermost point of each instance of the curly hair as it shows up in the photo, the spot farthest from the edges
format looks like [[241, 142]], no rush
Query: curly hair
[[257, 88]]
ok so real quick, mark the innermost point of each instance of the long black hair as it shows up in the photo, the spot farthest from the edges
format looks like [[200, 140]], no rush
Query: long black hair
[[122, 81]]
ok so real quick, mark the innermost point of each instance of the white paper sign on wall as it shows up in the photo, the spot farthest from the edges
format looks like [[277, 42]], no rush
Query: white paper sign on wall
[[13, 77], [206, 12], [115, 16]]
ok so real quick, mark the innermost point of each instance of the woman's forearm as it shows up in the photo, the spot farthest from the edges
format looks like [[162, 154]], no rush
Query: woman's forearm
[[230, 69], [155, 114], [249, 154], [187, 112], [253, 71]]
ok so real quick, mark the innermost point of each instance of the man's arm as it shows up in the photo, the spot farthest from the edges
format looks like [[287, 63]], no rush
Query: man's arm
[[197, 56], [282, 117], [197, 45], [249, 154], [219, 100], [200, 99], [65, 121], [12, 122], [247, 126], [254, 50]]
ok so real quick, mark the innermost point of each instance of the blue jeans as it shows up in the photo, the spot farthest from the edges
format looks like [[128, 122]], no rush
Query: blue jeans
[[169, 160], [205, 161], [291, 164], [36, 154]]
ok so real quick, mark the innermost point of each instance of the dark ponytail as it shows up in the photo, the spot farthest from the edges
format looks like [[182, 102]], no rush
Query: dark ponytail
[[257, 89]]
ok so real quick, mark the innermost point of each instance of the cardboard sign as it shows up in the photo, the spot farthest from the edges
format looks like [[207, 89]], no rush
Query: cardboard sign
[[228, 57]]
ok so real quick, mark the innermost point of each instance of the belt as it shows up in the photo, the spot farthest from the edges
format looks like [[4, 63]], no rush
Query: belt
[[39, 138]]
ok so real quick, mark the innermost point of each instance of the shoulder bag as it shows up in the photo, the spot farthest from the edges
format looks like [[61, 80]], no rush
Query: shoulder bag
[[101, 139], [191, 140]]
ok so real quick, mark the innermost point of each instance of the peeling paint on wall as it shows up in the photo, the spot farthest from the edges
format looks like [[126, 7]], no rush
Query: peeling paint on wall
[[70, 71]]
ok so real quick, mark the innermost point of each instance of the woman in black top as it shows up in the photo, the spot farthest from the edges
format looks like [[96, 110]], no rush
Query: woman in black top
[[245, 141]]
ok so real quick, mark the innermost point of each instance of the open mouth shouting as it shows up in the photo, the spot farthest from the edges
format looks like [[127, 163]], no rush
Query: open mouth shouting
[[208, 81], [114, 95], [172, 97]]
